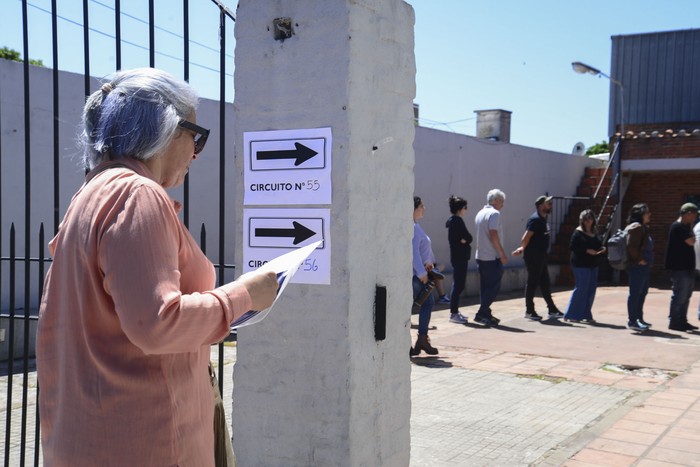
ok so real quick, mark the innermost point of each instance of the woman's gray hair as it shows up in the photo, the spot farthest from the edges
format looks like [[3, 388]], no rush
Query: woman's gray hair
[[136, 114], [495, 194]]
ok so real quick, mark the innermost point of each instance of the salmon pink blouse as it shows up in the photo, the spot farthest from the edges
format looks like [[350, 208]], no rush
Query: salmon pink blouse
[[127, 318]]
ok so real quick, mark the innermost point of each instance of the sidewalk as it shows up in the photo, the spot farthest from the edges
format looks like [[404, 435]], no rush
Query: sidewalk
[[555, 393], [544, 393]]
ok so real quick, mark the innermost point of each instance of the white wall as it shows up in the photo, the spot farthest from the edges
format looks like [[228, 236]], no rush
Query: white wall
[[446, 163], [450, 163], [204, 173]]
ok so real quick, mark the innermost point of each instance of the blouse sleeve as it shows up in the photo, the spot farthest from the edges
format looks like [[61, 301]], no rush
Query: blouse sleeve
[[140, 255]]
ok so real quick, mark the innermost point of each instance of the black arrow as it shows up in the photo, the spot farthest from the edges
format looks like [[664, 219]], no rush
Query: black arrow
[[301, 154], [299, 232]]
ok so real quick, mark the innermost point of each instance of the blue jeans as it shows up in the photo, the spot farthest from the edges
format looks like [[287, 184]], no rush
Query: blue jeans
[[426, 308], [581, 301], [683, 282], [490, 274], [459, 279], [638, 277]]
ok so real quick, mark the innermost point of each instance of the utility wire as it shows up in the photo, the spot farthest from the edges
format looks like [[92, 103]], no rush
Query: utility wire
[[133, 44]]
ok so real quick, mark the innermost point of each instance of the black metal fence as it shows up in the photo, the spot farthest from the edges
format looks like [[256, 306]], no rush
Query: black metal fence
[[17, 372]]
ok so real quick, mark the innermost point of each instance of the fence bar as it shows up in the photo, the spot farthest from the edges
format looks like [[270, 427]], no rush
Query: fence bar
[[56, 158], [86, 46], [118, 33], [186, 77], [11, 346], [37, 419], [151, 34], [27, 215], [222, 171]]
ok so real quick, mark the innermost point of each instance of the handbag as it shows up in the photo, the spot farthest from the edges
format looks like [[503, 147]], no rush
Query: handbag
[[223, 450]]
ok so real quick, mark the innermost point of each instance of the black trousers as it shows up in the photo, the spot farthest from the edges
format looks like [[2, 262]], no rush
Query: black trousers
[[537, 276]]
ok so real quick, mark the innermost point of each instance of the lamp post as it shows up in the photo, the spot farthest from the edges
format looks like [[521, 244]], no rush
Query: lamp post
[[582, 68]]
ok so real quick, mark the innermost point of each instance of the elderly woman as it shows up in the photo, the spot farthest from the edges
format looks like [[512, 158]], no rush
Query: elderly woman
[[129, 310]]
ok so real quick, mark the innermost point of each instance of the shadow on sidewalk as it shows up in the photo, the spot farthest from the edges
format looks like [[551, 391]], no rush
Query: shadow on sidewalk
[[431, 362], [655, 333]]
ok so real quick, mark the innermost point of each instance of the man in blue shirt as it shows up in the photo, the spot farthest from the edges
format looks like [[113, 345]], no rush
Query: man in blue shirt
[[534, 246]]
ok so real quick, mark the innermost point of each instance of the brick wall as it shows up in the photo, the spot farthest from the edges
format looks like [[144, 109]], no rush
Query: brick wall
[[664, 193], [669, 140]]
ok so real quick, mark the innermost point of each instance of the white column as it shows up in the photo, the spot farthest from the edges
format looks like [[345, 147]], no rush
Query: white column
[[313, 386]]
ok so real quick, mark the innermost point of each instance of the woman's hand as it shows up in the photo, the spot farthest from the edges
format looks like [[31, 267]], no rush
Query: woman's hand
[[261, 286]]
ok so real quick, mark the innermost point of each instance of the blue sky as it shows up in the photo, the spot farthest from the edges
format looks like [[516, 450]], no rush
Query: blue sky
[[470, 55]]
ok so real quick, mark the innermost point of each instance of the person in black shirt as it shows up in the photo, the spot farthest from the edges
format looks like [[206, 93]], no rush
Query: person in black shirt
[[680, 260], [460, 253], [534, 247], [585, 246]]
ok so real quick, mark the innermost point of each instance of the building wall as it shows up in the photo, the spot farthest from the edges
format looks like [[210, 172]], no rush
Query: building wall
[[662, 141], [203, 175], [664, 193], [450, 163], [659, 72], [446, 163]]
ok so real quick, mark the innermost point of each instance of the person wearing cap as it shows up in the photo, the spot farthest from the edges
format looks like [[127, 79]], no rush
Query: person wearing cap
[[534, 246], [680, 260]]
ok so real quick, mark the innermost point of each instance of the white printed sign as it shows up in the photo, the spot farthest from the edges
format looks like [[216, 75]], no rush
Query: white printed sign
[[287, 167], [268, 233]]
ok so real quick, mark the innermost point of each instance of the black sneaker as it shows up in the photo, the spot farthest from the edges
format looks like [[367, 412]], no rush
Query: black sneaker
[[494, 320], [555, 314], [645, 323], [483, 321], [690, 327], [638, 326], [532, 315]]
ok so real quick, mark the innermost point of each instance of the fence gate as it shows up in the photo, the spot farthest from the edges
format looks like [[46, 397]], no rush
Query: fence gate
[[115, 34]]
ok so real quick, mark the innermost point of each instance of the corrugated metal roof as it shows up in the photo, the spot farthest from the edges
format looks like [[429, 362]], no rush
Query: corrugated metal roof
[[660, 73]]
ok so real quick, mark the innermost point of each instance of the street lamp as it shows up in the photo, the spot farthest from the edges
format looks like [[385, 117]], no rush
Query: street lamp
[[582, 68]]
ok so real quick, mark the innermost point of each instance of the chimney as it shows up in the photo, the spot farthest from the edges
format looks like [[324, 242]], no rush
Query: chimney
[[493, 124]]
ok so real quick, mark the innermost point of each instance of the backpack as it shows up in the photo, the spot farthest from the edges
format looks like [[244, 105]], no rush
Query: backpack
[[617, 250]]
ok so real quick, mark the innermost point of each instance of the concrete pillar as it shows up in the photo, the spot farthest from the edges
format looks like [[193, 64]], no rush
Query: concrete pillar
[[312, 384]]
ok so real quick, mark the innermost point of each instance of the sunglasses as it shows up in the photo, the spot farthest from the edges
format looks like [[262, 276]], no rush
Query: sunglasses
[[202, 134]]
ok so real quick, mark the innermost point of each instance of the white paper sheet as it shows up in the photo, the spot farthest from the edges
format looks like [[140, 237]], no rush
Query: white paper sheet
[[285, 267]]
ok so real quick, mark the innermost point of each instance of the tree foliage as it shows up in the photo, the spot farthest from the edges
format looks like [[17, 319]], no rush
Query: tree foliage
[[11, 54], [599, 148]]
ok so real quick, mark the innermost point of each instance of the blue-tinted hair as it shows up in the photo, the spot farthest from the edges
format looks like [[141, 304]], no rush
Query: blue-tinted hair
[[136, 115]]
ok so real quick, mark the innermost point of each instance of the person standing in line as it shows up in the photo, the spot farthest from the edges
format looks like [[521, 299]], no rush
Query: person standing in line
[[586, 247], [680, 260], [640, 256], [423, 263], [534, 246], [696, 231], [460, 241], [490, 255]]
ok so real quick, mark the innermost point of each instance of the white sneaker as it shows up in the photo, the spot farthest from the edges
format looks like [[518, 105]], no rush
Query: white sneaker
[[458, 318]]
